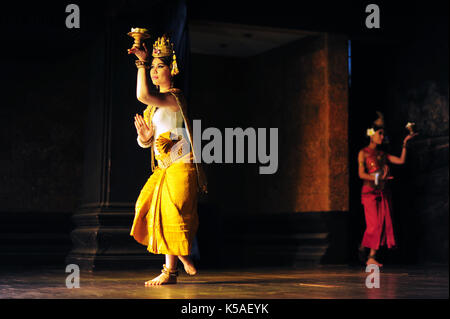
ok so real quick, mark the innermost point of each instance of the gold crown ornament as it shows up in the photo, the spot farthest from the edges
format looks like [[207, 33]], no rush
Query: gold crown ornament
[[380, 120], [162, 48]]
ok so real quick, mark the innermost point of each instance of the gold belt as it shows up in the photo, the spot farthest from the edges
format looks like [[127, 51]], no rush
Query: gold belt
[[170, 150]]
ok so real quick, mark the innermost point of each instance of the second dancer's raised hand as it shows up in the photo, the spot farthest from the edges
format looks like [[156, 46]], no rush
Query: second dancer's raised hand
[[408, 137]]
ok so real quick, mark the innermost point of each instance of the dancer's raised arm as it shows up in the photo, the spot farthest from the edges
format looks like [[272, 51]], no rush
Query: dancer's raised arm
[[158, 74], [401, 160]]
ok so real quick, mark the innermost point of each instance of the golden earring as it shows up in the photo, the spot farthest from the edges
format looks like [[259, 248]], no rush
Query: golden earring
[[174, 70]]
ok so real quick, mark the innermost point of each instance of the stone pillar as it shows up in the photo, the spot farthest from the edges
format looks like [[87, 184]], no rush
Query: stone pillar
[[308, 103], [115, 167], [299, 214], [337, 89]]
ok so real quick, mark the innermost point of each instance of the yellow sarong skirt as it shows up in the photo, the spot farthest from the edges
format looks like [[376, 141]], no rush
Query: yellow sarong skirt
[[166, 218]]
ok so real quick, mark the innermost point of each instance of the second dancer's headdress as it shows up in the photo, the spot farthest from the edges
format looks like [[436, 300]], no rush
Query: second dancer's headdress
[[376, 125]]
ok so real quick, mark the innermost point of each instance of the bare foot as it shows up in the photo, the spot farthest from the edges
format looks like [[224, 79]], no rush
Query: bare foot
[[167, 277], [372, 261], [188, 265]]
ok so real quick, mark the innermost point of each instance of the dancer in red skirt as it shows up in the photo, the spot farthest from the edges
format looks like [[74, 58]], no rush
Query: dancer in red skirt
[[375, 195]]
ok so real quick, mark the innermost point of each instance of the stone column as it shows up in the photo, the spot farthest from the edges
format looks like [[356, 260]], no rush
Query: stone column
[[115, 167]]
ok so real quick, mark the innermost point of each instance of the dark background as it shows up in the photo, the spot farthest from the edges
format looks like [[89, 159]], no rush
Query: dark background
[[47, 89]]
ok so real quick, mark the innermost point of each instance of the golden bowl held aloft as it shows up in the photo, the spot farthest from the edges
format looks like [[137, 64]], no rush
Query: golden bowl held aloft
[[138, 34], [140, 30], [410, 127]]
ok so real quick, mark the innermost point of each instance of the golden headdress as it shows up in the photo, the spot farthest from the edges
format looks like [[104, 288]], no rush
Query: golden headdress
[[162, 48], [376, 125], [380, 120]]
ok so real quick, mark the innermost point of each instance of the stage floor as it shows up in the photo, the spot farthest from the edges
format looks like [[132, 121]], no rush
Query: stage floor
[[336, 282]]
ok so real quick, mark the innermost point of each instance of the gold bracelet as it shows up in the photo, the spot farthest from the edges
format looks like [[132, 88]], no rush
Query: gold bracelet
[[142, 64], [148, 142], [145, 144]]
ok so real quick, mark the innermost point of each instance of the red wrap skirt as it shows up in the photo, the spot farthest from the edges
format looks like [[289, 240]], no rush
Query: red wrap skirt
[[377, 210]]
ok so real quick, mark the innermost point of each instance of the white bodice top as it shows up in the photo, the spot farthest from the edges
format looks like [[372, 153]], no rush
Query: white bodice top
[[166, 120]]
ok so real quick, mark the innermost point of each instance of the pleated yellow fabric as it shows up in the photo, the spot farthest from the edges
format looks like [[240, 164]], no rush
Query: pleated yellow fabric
[[166, 218]]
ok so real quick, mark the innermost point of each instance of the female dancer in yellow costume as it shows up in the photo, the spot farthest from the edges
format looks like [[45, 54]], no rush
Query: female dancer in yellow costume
[[166, 217]]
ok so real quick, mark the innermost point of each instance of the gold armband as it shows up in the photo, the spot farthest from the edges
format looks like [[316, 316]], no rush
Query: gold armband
[[142, 64], [145, 144], [361, 163]]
